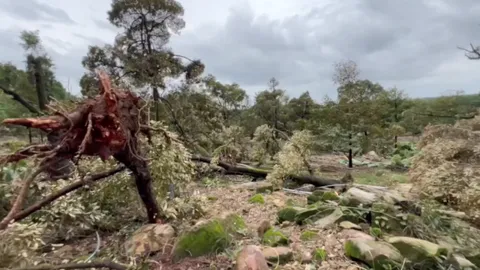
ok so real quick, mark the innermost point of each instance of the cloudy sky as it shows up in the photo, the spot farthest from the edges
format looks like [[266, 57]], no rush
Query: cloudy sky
[[410, 44]]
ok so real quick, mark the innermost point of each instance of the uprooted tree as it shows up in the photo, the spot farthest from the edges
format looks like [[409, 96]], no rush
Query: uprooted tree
[[107, 125]]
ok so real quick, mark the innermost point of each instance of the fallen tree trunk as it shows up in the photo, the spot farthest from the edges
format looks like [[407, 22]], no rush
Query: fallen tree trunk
[[241, 169]]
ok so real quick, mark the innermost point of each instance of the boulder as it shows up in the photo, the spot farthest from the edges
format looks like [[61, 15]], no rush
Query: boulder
[[458, 261], [373, 252], [355, 197], [278, 255], [418, 250], [149, 239], [251, 258], [349, 234], [209, 236], [329, 220]]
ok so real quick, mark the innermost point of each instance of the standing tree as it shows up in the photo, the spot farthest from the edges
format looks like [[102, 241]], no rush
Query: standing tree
[[139, 55]]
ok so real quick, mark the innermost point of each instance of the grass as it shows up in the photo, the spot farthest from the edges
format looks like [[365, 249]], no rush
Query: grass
[[379, 178]]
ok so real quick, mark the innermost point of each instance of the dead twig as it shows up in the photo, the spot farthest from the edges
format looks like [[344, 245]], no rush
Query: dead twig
[[102, 264], [18, 204]]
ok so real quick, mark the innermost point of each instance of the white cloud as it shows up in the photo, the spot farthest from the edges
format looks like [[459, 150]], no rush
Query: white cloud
[[409, 45]]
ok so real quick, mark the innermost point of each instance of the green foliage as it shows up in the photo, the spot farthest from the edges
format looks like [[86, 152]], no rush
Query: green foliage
[[292, 157], [319, 255], [257, 198], [274, 238]]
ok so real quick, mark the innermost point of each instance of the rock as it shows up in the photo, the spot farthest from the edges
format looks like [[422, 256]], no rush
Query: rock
[[458, 261], [306, 187], [329, 220], [288, 213], [209, 236], [257, 198], [307, 257], [259, 187], [372, 156], [473, 256], [278, 255], [355, 196], [373, 252], [264, 226], [417, 250], [148, 239], [251, 258], [354, 234], [322, 195], [312, 214], [451, 213], [274, 238], [349, 225]]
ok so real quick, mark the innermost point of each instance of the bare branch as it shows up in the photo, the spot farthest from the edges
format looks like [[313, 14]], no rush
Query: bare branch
[[473, 53], [104, 264], [18, 204], [20, 100], [64, 191]]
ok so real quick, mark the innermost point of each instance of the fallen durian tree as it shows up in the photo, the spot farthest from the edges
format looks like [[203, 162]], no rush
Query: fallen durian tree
[[104, 126]]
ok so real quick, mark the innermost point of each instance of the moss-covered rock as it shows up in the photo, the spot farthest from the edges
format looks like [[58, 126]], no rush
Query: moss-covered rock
[[308, 235], [288, 213], [322, 196], [329, 220], [373, 253], [274, 238], [209, 237], [257, 198], [312, 214], [349, 225], [418, 250]]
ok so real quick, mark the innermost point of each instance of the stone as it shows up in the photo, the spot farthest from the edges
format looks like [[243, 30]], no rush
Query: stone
[[264, 227], [349, 225], [274, 238], [149, 239], [354, 234], [209, 236], [373, 252], [288, 213], [251, 258], [311, 214], [278, 255], [458, 261], [307, 257], [355, 197], [417, 250], [329, 220]]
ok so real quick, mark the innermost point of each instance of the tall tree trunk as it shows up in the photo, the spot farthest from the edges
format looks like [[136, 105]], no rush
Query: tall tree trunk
[[156, 101], [40, 86], [143, 180], [350, 151]]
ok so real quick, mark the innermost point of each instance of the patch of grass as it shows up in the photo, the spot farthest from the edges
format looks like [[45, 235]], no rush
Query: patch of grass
[[379, 178]]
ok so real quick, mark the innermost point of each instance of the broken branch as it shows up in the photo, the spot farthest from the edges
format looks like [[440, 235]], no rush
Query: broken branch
[[64, 191], [103, 264]]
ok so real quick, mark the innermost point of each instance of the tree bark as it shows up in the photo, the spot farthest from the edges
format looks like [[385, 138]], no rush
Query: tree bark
[[350, 151], [242, 169], [143, 181]]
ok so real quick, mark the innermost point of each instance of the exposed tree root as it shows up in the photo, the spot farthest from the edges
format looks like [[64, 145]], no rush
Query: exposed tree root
[[104, 126]]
